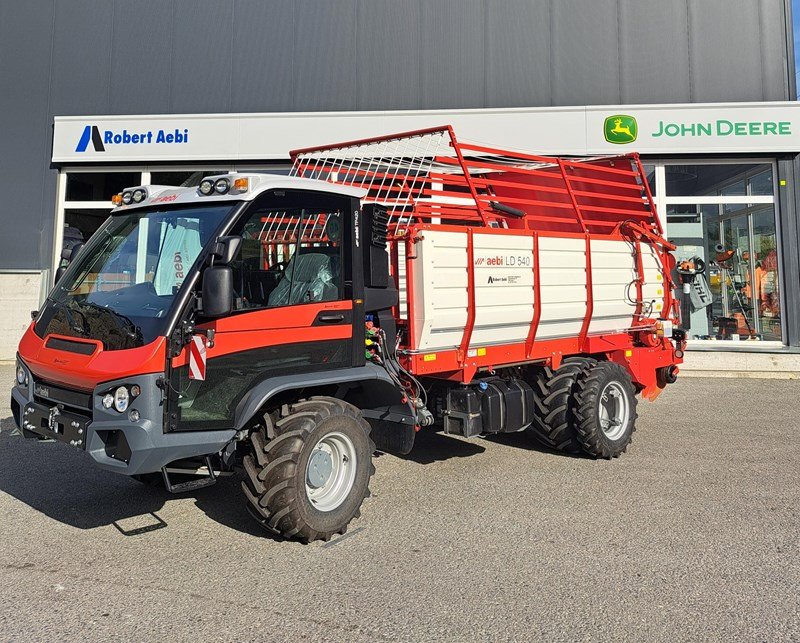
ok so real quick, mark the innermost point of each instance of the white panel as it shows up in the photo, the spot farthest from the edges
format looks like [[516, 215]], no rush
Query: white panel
[[613, 286], [440, 289], [768, 127], [503, 288], [562, 278], [653, 289]]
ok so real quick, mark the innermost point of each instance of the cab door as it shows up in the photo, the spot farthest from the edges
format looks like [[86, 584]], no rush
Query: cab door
[[295, 307]]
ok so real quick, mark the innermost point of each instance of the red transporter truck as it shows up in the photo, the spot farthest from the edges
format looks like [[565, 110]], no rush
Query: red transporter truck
[[289, 325]]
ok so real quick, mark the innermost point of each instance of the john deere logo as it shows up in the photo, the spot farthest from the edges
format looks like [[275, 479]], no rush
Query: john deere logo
[[620, 129]]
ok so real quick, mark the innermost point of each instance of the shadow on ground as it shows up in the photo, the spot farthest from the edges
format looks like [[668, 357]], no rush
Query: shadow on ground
[[65, 485]]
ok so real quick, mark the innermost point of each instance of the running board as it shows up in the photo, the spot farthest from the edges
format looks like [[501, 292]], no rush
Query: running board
[[191, 485]]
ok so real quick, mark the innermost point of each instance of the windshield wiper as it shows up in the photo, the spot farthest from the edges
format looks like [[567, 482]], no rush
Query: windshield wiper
[[125, 324], [81, 330]]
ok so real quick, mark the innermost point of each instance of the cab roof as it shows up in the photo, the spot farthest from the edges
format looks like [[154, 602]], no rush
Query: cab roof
[[256, 184]]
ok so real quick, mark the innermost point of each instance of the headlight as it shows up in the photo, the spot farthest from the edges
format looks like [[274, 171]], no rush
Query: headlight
[[108, 401], [121, 397], [22, 375]]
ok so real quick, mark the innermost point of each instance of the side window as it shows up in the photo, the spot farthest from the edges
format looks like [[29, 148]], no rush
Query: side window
[[290, 253]]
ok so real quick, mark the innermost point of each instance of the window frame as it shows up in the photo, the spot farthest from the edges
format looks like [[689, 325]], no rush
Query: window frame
[[662, 200]]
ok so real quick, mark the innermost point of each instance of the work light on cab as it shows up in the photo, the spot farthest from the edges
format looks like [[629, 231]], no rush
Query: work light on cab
[[127, 196], [221, 186], [139, 195], [206, 187]]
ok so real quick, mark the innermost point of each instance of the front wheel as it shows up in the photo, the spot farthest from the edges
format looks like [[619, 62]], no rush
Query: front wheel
[[605, 412], [308, 471]]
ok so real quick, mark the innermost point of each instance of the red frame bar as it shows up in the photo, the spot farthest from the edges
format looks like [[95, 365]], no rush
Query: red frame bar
[[537, 298], [470, 325], [587, 320], [371, 139]]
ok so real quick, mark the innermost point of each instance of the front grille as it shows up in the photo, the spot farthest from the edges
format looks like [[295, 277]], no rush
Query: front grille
[[47, 393]]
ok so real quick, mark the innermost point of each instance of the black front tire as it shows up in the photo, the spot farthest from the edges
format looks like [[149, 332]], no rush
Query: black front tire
[[275, 483], [596, 437]]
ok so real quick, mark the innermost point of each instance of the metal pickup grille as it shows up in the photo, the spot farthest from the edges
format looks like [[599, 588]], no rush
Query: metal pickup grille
[[45, 392]]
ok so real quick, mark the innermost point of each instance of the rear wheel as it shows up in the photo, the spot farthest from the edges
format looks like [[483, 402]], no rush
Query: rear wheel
[[554, 421], [308, 471], [605, 410]]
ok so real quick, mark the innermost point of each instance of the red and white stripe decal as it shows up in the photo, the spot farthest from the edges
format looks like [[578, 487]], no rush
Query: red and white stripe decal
[[197, 358]]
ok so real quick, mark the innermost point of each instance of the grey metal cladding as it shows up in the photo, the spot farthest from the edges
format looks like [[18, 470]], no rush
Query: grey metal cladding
[[654, 52], [26, 182], [389, 57], [140, 75], [453, 34], [325, 55], [262, 70], [517, 53], [774, 55], [725, 50], [81, 64], [201, 56], [585, 52]]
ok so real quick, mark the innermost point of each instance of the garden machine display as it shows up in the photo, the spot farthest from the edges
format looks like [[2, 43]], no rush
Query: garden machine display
[[286, 327]]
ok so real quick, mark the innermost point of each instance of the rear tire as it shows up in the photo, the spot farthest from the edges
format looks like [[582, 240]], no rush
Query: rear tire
[[606, 410], [554, 422], [308, 471]]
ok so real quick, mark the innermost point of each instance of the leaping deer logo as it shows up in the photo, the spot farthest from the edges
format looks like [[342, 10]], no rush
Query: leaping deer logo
[[620, 129]]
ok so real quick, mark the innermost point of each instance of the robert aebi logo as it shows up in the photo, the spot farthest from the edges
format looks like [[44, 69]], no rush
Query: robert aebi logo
[[99, 139], [620, 129]]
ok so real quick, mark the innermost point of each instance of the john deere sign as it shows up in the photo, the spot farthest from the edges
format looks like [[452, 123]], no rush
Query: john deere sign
[[724, 127], [620, 128]]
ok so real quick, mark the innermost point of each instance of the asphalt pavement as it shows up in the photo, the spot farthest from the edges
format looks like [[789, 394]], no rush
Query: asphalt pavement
[[691, 535]]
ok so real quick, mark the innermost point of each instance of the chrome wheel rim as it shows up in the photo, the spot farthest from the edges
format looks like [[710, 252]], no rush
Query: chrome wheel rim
[[330, 471], [614, 410]]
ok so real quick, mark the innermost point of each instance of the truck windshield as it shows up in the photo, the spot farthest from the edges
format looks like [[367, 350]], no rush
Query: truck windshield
[[121, 286]]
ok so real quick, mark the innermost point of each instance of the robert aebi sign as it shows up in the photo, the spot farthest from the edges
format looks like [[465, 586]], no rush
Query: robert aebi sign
[[100, 138]]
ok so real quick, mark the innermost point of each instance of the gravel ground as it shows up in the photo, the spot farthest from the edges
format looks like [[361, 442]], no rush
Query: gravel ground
[[691, 535]]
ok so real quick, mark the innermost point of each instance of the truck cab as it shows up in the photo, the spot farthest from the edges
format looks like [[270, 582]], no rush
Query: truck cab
[[255, 271]]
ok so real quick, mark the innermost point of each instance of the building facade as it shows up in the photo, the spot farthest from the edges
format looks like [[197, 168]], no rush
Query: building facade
[[108, 94]]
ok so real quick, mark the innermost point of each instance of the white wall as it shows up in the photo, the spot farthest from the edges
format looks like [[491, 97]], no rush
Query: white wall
[[20, 293]]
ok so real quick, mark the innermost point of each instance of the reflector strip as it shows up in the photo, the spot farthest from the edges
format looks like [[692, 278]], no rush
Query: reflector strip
[[197, 358]]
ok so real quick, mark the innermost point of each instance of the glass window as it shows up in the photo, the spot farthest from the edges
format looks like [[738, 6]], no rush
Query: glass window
[[737, 298], [283, 170], [730, 179], [290, 253], [121, 285], [99, 186], [650, 173], [183, 178], [761, 183], [82, 223]]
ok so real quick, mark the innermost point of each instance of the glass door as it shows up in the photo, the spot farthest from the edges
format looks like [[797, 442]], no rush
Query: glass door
[[725, 215]]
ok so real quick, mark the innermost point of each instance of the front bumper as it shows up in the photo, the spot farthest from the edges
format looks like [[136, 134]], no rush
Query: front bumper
[[110, 438]]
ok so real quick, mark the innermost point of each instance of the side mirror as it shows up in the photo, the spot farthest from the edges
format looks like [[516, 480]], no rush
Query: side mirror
[[226, 249], [217, 291]]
